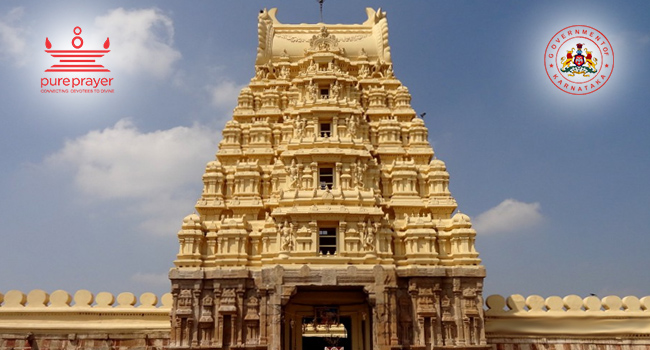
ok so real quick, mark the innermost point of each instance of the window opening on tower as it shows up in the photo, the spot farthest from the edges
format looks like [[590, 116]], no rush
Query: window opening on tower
[[326, 178], [327, 240], [325, 130]]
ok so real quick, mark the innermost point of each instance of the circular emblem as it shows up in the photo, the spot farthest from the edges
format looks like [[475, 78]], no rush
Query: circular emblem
[[579, 60]]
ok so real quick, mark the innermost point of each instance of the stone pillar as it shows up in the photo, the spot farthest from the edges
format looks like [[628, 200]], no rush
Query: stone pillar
[[196, 299], [337, 182], [377, 323], [300, 183], [275, 304], [315, 178], [240, 317], [217, 339], [458, 312], [175, 337], [437, 327], [277, 137], [418, 321], [264, 293], [392, 309]]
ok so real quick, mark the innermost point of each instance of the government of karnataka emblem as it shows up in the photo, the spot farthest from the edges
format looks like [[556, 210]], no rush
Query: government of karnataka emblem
[[579, 60]]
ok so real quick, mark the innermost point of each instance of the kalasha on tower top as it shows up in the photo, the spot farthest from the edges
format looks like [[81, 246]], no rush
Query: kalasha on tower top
[[325, 209]]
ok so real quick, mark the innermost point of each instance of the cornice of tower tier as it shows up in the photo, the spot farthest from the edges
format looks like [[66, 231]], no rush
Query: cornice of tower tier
[[289, 42]]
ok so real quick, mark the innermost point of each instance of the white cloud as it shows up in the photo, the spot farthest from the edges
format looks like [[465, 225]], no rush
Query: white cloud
[[12, 37], [155, 279], [122, 162], [141, 40], [154, 174], [510, 215], [224, 94]]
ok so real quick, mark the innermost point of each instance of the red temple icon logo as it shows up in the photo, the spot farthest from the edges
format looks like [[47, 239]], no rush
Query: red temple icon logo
[[77, 60]]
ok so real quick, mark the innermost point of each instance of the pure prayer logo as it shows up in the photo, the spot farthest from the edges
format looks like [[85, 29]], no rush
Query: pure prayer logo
[[77, 61]]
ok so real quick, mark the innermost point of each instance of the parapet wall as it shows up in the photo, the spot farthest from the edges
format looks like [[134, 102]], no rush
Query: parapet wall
[[43, 321], [569, 323]]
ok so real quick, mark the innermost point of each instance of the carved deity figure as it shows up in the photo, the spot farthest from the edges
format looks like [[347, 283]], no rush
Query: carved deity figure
[[284, 73], [313, 66], [333, 66], [323, 32], [313, 91], [293, 174], [300, 124], [259, 73], [389, 71], [364, 71], [377, 67], [448, 321], [359, 172], [369, 237], [286, 236], [353, 122], [270, 68], [335, 90]]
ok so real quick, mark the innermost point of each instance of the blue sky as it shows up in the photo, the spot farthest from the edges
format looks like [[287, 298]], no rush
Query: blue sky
[[93, 188]]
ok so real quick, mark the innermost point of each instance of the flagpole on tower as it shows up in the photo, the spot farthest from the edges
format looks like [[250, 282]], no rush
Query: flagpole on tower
[[320, 3]]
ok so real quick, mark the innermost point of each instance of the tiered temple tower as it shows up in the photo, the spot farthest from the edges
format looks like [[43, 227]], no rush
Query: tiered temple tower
[[325, 219]]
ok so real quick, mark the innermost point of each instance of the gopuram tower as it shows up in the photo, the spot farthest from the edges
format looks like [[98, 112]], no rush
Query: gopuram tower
[[325, 220]]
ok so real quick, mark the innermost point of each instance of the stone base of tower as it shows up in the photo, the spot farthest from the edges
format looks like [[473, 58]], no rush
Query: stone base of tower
[[303, 307]]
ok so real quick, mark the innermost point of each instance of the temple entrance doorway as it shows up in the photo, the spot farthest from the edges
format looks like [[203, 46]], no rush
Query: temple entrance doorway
[[333, 337], [327, 318]]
